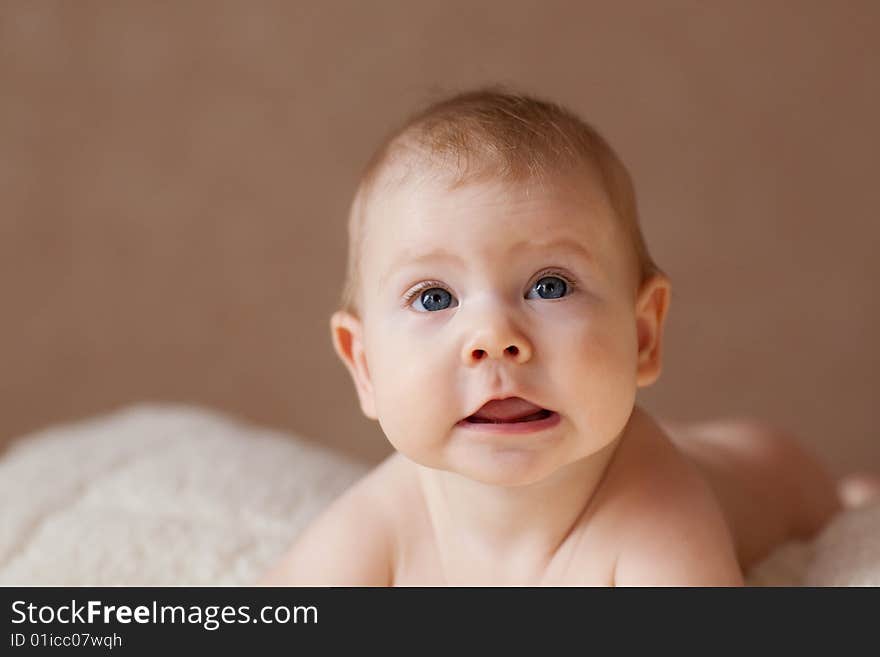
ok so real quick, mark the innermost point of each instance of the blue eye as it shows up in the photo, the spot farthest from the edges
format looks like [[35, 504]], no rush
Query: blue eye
[[435, 298], [550, 287]]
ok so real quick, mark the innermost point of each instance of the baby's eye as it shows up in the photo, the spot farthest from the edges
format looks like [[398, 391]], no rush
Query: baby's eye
[[550, 287], [433, 299]]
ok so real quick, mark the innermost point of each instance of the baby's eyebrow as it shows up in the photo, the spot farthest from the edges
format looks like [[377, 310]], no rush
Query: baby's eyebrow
[[562, 244], [408, 259]]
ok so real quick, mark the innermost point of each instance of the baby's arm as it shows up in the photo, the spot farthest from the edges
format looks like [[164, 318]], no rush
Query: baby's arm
[[678, 537], [346, 545]]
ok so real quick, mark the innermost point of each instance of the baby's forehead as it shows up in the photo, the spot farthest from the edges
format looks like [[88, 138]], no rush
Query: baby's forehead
[[416, 201], [491, 221]]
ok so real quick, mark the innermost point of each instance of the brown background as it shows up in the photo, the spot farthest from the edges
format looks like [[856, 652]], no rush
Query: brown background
[[174, 179]]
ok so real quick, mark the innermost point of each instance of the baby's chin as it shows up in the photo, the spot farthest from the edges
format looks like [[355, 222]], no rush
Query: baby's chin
[[504, 461], [498, 466]]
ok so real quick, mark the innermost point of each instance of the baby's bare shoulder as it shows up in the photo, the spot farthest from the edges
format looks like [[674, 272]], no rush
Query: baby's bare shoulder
[[350, 543], [648, 467], [668, 526]]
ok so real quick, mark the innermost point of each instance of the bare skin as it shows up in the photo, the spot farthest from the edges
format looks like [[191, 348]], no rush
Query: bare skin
[[734, 493], [608, 496], [771, 489]]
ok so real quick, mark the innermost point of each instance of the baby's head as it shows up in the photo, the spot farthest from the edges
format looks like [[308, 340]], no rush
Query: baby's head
[[495, 252]]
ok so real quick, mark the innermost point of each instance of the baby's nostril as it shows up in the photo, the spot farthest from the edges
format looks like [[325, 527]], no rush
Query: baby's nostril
[[478, 353], [513, 350]]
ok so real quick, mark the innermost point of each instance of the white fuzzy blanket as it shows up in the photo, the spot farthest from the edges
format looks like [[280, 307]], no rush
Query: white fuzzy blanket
[[174, 495]]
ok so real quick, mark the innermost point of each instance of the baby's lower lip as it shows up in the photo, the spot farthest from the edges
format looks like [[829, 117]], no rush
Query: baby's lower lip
[[512, 427]]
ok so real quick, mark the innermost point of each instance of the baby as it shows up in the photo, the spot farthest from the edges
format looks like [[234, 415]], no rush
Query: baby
[[500, 312]]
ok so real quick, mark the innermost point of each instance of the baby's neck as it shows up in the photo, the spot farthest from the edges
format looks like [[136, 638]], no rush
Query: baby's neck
[[521, 527]]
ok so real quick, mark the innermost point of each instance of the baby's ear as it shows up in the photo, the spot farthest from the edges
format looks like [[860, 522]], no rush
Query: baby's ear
[[651, 307], [347, 333]]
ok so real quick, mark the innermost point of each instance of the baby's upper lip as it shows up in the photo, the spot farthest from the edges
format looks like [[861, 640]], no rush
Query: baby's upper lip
[[499, 397]]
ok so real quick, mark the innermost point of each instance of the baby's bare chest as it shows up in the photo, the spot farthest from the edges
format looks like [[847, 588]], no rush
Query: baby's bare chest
[[425, 555], [584, 560]]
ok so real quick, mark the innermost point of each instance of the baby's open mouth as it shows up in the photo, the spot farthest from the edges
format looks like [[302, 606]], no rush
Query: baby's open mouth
[[540, 415], [508, 411]]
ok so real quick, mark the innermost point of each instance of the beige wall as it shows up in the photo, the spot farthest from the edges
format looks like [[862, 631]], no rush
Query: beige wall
[[174, 179]]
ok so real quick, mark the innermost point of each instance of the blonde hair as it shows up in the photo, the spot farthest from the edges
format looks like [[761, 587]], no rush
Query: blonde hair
[[495, 134]]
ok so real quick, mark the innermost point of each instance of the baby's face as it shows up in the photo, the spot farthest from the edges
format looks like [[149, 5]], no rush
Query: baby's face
[[491, 291]]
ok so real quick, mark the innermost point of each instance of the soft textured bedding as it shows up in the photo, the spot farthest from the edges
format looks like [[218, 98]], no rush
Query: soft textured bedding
[[159, 494]]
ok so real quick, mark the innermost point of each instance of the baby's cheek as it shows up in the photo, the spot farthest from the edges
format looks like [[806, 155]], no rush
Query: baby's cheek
[[606, 356], [601, 373], [413, 406]]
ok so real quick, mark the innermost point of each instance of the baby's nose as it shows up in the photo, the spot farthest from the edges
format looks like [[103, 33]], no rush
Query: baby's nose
[[514, 349]]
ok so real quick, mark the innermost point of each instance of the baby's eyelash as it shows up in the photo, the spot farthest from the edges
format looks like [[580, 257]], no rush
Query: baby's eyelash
[[555, 272], [424, 285], [427, 285]]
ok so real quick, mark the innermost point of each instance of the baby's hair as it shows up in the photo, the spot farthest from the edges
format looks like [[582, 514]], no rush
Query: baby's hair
[[492, 134]]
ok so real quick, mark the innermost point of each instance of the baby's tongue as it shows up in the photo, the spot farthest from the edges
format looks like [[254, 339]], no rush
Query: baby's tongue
[[505, 410]]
